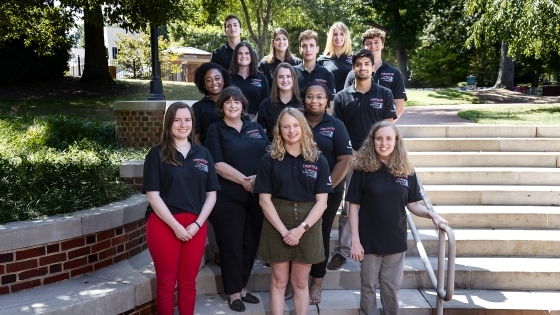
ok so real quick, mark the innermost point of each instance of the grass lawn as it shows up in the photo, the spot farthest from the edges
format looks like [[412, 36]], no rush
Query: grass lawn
[[529, 114], [97, 107], [440, 97]]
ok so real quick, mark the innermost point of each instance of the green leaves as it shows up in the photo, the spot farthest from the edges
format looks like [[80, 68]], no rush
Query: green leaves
[[57, 165]]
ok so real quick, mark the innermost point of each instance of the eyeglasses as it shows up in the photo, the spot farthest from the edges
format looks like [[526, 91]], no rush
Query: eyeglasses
[[318, 98]]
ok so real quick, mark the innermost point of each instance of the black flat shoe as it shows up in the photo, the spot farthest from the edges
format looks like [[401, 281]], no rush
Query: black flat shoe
[[236, 305], [249, 298]]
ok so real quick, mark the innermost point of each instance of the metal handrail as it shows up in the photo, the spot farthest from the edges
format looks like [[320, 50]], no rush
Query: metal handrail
[[437, 283]]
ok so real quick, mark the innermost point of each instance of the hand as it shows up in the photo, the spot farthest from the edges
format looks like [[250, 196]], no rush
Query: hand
[[293, 236], [437, 220], [249, 183], [357, 251], [181, 233]]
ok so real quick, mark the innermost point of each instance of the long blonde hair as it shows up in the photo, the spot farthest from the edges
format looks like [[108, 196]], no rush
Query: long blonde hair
[[309, 147], [367, 159], [329, 46]]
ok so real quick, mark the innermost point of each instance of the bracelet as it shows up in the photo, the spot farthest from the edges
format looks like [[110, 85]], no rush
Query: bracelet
[[197, 224]]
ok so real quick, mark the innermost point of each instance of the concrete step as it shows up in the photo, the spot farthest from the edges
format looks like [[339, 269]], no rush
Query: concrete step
[[483, 144], [495, 273], [485, 159], [486, 242], [412, 302], [478, 131], [488, 175], [493, 195], [497, 217]]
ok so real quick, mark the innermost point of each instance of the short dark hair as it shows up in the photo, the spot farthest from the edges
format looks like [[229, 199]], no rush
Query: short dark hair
[[328, 92], [361, 54], [227, 93], [229, 17], [234, 65], [200, 72], [309, 34]]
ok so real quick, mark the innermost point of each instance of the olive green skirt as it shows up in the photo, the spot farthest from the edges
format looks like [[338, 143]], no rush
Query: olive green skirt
[[310, 249]]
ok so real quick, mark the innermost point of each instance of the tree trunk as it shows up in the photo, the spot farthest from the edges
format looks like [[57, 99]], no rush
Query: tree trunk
[[507, 66], [400, 49], [537, 73], [95, 62]]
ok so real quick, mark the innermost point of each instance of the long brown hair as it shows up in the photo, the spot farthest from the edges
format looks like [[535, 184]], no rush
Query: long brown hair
[[234, 66], [275, 92], [367, 159], [272, 53], [309, 148], [167, 151]]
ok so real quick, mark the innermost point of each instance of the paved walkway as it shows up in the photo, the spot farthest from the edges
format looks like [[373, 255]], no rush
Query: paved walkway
[[440, 114]]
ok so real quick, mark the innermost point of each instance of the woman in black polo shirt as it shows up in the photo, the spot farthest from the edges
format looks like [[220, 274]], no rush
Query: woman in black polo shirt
[[244, 74], [337, 56], [279, 52], [237, 146], [334, 142], [284, 93], [210, 79], [180, 183], [383, 184], [293, 182]]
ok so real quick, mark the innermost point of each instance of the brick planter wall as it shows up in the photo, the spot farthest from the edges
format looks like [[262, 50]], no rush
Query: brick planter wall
[[139, 124], [30, 267]]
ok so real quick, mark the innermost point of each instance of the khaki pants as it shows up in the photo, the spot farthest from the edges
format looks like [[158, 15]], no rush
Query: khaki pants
[[387, 270]]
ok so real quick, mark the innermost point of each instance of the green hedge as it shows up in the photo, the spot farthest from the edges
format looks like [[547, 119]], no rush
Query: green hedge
[[57, 165]]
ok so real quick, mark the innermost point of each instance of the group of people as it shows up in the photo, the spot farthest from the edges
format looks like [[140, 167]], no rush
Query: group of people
[[263, 160]]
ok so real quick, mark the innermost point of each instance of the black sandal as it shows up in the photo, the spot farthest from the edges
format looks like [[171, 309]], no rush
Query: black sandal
[[236, 305], [249, 298]]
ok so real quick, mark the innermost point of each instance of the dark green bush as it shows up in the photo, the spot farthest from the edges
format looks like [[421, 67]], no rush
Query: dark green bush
[[57, 164]]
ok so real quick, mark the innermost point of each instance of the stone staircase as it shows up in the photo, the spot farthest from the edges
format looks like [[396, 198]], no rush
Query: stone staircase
[[499, 188]]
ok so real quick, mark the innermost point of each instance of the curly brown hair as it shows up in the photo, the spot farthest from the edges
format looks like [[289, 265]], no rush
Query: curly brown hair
[[230, 92], [367, 159], [373, 33]]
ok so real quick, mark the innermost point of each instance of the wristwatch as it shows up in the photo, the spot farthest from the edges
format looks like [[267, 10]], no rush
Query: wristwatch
[[305, 226]]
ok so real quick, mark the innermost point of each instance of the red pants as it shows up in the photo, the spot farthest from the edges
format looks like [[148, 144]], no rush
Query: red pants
[[175, 262]]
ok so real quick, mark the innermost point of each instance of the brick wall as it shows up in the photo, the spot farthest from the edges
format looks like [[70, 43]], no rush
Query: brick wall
[[25, 268], [135, 182], [139, 129]]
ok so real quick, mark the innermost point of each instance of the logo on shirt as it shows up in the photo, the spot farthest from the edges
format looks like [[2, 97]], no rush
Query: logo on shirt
[[330, 182], [376, 103], [349, 59], [201, 164], [321, 81], [327, 131], [402, 179], [310, 170], [349, 144], [254, 134], [256, 82], [387, 76]]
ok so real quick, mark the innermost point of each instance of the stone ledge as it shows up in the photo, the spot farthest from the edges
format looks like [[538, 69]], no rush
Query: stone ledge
[[23, 234], [132, 169], [138, 105]]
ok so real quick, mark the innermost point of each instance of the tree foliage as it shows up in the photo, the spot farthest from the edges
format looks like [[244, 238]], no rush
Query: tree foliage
[[202, 37], [134, 56]]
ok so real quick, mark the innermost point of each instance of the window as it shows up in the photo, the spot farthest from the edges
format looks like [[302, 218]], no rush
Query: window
[[115, 52]]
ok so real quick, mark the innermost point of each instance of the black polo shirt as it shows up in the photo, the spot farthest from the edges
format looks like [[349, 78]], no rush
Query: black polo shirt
[[268, 116], [293, 178], [339, 66], [318, 74], [204, 115], [241, 150], [183, 188], [268, 68], [333, 141], [255, 89], [222, 55], [382, 215], [387, 76], [359, 112]]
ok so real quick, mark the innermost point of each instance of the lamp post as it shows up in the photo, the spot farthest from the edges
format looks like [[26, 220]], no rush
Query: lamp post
[[156, 86]]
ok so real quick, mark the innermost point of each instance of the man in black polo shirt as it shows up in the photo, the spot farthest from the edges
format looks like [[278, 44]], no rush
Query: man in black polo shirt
[[384, 74], [309, 71], [232, 28], [359, 107]]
